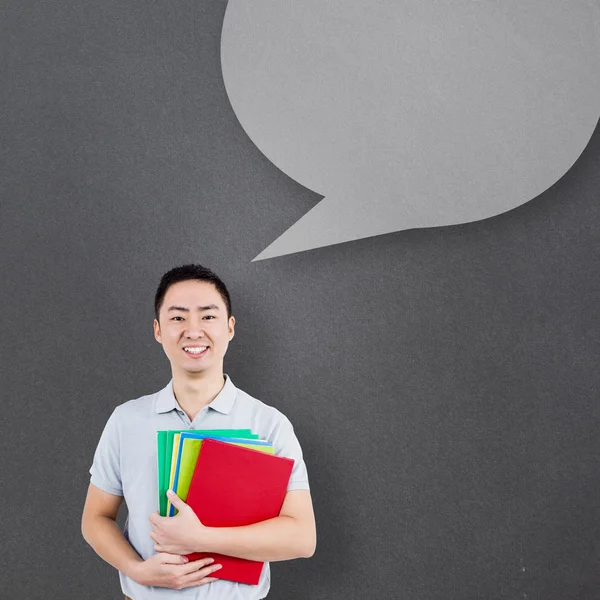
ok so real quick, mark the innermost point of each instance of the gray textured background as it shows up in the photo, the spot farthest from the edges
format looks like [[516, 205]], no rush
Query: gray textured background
[[443, 382]]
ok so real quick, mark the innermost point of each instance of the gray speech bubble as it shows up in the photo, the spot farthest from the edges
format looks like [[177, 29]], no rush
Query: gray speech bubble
[[412, 113]]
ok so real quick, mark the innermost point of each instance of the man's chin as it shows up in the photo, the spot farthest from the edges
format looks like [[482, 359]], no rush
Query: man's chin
[[195, 369], [201, 367]]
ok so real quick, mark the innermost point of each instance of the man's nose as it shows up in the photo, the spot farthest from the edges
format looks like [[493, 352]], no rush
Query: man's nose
[[194, 330]]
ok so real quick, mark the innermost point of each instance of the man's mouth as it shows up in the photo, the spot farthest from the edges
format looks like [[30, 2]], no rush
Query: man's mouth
[[196, 350]]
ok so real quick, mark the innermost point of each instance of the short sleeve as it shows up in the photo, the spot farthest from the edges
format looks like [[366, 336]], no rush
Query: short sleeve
[[106, 470], [286, 444]]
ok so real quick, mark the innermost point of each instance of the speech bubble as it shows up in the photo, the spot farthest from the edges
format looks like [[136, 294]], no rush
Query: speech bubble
[[412, 113]]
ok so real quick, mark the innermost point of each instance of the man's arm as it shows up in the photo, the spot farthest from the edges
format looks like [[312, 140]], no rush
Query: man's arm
[[290, 535], [101, 531]]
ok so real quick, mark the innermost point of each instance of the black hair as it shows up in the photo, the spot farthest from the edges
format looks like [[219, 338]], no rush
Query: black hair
[[185, 273]]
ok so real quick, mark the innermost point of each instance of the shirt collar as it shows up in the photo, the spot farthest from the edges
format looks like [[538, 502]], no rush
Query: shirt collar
[[222, 403]]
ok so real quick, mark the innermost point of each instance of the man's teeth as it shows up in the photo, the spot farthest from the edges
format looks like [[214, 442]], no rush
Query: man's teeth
[[196, 350]]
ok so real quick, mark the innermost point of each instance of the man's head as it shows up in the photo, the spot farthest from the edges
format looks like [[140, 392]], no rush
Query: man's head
[[186, 273], [193, 320]]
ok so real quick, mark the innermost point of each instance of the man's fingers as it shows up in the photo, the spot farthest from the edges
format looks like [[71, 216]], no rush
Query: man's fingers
[[176, 501], [201, 582], [173, 559], [195, 566], [202, 576]]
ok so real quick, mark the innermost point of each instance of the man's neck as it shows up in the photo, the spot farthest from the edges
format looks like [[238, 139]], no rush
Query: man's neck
[[194, 392]]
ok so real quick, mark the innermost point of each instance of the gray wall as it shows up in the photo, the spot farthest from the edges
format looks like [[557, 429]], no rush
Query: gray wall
[[443, 382]]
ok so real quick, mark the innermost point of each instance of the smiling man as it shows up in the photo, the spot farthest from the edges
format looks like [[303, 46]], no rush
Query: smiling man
[[194, 324]]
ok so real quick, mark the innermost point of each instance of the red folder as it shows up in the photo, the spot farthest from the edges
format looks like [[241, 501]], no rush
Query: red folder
[[233, 486]]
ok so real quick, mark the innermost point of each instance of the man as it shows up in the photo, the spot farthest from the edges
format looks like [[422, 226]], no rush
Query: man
[[193, 322]]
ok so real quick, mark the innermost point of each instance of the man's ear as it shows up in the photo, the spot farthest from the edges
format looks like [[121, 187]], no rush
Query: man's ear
[[157, 335], [231, 327]]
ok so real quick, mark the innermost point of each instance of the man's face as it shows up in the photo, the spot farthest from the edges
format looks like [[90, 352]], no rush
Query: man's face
[[193, 327]]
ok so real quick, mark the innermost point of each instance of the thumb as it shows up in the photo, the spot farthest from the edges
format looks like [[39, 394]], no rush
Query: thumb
[[176, 501]]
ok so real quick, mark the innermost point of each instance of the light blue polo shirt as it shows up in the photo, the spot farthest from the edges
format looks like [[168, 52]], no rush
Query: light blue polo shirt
[[125, 464]]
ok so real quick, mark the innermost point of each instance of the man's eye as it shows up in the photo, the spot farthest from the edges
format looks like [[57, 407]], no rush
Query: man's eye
[[174, 318], [209, 317]]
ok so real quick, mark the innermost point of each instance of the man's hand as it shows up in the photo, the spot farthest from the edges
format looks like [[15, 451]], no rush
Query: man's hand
[[181, 534], [175, 572]]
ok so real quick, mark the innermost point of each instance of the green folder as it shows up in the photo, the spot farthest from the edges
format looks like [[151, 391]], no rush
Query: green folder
[[164, 442]]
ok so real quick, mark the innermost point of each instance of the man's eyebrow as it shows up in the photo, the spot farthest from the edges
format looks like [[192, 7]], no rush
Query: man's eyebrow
[[209, 307], [183, 309]]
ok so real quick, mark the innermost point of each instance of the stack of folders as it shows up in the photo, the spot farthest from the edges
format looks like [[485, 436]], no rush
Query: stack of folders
[[230, 478]]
